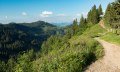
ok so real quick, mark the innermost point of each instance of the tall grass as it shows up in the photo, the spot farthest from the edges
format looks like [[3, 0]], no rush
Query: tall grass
[[95, 31], [80, 53], [112, 37]]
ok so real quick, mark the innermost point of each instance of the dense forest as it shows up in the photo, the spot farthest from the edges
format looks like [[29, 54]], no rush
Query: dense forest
[[16, 38], [43, 47]]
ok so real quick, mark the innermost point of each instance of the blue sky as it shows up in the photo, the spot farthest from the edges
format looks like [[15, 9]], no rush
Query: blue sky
[[46, 10]]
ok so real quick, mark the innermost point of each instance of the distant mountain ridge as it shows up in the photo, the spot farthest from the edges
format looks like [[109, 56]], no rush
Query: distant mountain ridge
[[19, 37], [62, 24]]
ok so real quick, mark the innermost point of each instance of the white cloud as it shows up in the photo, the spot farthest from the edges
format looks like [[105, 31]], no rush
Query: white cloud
[[46, 13], [24, 13]]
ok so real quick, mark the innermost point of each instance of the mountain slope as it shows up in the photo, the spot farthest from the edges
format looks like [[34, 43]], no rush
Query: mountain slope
[[16, 38]]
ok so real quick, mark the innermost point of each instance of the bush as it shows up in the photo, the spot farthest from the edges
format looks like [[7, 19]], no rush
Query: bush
[[80, 53]]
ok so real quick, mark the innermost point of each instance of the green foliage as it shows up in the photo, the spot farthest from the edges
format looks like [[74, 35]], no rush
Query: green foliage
[[75, 26], [3, 66], [100, 12], [112, 15], [53, 43], [83, 25], [19, 37], [24, 62], [68, 55], [94, 15], [95, 31], [112, 37], [11, 65], [108, 14]]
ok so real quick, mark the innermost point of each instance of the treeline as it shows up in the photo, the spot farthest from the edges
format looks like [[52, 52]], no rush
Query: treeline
[[93, 17], [112, 15]]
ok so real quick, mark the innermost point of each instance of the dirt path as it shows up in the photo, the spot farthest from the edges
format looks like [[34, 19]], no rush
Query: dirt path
[[101, 23], [110, 62]]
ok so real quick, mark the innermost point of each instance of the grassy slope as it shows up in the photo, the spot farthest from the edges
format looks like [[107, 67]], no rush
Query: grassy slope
[[94, 31], [73, 56], [111, 37]]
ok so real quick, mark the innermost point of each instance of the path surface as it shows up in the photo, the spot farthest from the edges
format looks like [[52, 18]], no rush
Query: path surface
[[111, 60]]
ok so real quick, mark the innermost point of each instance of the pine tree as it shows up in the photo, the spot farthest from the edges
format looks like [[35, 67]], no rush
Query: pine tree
[[89, 16], [82, 20], [112, 15], [100, 12], [82, 25], [75, 26], [115, 14], [93, 15], [108, 15]]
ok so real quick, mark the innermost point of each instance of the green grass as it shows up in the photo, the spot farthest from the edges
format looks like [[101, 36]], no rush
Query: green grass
[[94, 31], [112, 37]]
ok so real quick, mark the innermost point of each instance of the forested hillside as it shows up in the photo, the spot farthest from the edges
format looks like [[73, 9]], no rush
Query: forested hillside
[[16, 38]]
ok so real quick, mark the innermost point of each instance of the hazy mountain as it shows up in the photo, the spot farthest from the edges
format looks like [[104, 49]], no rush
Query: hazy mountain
[[62, 24]]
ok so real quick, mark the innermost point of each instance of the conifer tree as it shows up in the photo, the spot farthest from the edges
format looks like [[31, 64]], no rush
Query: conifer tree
[[82, 20], [82, 25], [115, 14], [108, 14], [112, 15], [100, 12], [75, 26], [89, 16], [93, 15]]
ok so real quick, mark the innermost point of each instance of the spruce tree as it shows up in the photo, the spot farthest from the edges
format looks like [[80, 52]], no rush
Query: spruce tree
[[100, 12], [82, 21], [112, 15], [115, 12], [89, 16], [95, 15], [75, 26], [82, 25], [108, 15]]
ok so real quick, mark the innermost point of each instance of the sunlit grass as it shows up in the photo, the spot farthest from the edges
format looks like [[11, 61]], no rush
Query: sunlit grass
[[112, 37]]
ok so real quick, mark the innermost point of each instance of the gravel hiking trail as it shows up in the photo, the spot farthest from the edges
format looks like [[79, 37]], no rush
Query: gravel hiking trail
[[110, 61]]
